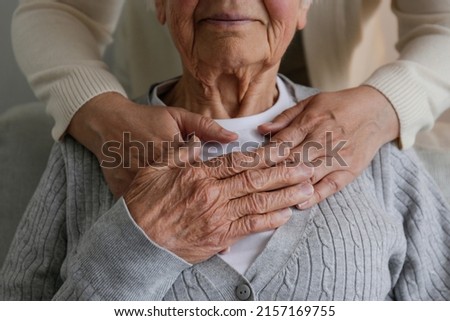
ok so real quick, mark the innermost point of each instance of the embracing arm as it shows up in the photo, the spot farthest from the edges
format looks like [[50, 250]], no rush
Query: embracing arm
[[59, 46], [418, 83], [398, 101]]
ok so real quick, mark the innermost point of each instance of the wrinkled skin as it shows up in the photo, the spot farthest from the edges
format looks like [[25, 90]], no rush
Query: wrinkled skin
[[199, 210], [361, 117], [107, 117]]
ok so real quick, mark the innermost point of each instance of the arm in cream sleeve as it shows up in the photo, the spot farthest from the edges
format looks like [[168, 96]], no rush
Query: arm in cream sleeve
[[418, 83], [59, 46]]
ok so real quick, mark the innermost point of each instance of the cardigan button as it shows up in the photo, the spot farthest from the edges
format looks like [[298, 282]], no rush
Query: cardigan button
[[243, 292]]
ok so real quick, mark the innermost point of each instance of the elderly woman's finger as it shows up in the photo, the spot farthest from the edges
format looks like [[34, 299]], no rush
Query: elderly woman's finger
[[269, 179], [203, 127], [259, 203], [251, 224], [238, 162]]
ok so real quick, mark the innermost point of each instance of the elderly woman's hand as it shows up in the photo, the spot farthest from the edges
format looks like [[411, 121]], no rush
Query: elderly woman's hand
[[196, 210], [338, 133], [109, 117]]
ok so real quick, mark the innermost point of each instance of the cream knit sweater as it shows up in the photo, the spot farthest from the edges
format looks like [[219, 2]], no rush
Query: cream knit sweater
[[59, 46]]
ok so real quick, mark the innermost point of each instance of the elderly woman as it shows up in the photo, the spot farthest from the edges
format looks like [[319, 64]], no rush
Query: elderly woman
[[385, 236]]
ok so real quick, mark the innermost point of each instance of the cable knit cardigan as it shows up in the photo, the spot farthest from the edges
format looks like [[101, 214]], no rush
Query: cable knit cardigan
[[59, 45], [385, 236]]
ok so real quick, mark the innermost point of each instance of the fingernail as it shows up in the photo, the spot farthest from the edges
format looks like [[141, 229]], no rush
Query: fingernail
[[307, 170], [286, 213], [304, 169], [228, 133], [303, 205], [307, 189]]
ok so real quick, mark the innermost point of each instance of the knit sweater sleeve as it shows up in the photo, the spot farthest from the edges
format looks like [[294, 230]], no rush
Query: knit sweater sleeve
[[422, 270], [417, 84], [59, 47], [112, 260], [28, 272], [116, 261]]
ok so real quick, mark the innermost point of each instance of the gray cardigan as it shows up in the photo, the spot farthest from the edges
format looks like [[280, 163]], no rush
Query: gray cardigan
[[385, 236]]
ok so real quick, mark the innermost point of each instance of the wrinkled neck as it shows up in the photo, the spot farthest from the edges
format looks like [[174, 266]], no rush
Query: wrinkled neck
[[222, 95]]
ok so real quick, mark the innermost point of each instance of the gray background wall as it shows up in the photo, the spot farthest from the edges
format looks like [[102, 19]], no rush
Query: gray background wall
[[13, 86]]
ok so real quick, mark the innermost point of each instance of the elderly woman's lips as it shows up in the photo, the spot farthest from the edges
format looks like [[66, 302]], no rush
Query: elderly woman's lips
[[227, 22], [225, 19]]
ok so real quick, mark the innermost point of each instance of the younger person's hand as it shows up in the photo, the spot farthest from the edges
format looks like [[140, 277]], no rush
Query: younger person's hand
[[338, 133]]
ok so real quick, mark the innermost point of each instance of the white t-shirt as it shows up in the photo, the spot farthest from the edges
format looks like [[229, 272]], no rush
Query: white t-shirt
[[244, 252]]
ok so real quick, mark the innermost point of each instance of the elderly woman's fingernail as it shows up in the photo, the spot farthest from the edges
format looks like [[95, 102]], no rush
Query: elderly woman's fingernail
[[306, 169], [307, 189], [229, 133], [303, 205], [286, 213]]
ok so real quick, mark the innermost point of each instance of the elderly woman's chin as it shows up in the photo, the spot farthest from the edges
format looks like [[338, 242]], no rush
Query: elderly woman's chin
[[233, 49]]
